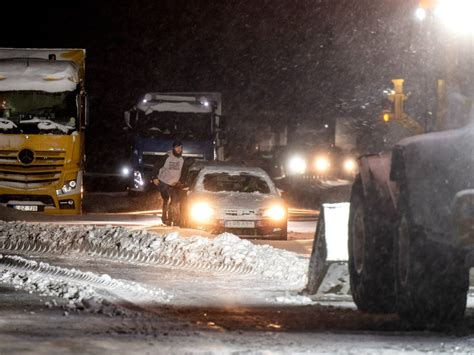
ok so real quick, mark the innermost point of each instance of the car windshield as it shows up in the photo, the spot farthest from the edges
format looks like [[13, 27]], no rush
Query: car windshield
[[38, 112], [189, 126], [243, 182]]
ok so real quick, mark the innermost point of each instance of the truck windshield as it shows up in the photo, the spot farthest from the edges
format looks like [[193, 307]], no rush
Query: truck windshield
[[189, 126], [38, 112]]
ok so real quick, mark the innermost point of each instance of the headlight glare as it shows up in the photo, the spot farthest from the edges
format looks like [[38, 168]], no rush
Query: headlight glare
[[349, 165], [276, 213], [201, 212], [297, 165], [322, 164]]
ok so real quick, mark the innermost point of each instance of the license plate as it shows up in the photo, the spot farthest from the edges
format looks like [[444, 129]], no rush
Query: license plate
[[239, 224], [26, 208]]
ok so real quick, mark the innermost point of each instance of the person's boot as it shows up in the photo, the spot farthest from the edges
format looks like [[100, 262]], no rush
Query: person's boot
[[164, 217]]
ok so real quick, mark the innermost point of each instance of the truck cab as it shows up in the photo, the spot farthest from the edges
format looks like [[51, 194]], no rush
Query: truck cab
[[42, 124], [160, 118]]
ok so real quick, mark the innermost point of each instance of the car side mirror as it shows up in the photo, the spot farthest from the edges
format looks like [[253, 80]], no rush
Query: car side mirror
[[283, 193]]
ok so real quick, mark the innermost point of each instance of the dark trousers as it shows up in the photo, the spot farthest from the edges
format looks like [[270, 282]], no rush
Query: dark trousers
[[168, 193]]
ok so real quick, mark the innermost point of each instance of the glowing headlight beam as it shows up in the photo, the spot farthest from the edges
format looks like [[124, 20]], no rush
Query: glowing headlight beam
[[349, 165], [420, 13], [201, 212], [297, 165], [457, 14], [322, 164], [125, 171], [276, 213]]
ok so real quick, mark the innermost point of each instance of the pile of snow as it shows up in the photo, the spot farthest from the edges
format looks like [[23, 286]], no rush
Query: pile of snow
[[81, 290], [227, 252], [77, 296]]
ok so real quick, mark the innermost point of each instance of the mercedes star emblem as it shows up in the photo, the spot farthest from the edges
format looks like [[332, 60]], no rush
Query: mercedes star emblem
[[26, 156]]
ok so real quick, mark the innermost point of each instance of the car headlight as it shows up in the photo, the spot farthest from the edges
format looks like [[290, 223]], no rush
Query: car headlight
[[350, 165], [67, 187], [322, 164], [201, 212], [297, 165], [276, 213]]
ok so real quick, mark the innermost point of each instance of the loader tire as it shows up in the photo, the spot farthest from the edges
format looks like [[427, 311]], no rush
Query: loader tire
[[370, 254], [431, 279]]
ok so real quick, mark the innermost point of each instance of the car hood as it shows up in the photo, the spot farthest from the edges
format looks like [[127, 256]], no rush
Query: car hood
[[237, 200]]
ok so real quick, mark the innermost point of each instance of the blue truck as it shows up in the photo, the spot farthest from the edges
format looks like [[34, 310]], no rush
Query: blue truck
[[157, 119]]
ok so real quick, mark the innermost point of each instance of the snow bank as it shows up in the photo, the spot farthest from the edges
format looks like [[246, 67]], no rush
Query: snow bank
[[77, 296], [81, 290], [227, 252]]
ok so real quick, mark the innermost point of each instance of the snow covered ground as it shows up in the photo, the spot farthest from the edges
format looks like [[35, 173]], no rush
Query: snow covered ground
[[192, 294]]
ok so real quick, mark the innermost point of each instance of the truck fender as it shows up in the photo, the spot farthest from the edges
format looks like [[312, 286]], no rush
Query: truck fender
[[377, 185]]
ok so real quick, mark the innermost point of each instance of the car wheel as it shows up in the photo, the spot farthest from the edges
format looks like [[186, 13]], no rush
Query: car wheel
[[284, 233], [370, 254], [431, 279]]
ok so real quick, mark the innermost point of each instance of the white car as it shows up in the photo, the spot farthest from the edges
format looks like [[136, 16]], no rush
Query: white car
[[236, 199]]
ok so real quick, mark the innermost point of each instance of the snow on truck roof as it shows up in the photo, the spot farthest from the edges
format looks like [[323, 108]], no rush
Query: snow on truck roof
[[192, 102], [32, 74]]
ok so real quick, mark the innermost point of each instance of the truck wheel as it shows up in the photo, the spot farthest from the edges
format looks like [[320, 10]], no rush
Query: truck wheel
[[370, 254], [431, 279]]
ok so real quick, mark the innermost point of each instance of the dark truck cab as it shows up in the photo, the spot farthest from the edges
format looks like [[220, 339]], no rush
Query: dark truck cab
[[160, 118]]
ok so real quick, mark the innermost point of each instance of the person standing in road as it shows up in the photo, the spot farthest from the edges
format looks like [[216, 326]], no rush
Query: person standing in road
[[166, 176]]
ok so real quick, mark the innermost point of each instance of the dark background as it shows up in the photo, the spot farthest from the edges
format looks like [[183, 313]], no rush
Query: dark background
[[275, 61]]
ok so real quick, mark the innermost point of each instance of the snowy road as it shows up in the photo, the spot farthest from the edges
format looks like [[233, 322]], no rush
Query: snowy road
[[94, 289]]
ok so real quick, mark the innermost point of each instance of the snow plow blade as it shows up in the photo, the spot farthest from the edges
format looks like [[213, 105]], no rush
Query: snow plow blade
[[330, 243]]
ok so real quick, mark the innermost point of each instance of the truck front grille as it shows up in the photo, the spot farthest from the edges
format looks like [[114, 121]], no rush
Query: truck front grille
[[43, 171], [44, 199]]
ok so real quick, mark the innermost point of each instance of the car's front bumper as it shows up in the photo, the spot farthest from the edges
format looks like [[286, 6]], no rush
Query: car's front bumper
[[260, 229]]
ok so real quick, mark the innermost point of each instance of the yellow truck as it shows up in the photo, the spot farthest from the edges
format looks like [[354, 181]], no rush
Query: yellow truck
[[43, 115]]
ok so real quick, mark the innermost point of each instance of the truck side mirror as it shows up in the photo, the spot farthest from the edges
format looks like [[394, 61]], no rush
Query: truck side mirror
[[220, 122], [126, 118], [130, 118], [85, 103]]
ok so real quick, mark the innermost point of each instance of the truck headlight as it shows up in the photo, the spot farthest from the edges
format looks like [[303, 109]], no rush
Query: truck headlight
[[350, 165], [125, 171], [297, 165], [67, 187], [201, 212], [276, 213], [322, 164]]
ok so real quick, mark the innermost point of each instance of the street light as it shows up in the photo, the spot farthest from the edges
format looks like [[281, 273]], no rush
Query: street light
[[456, 15], [420, 13]]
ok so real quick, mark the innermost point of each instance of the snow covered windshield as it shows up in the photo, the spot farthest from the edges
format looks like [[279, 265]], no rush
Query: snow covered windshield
[[38, 112], [221, 182], [189, 126]]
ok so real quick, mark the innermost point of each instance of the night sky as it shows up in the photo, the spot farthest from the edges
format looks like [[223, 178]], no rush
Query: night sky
[[279, 61]]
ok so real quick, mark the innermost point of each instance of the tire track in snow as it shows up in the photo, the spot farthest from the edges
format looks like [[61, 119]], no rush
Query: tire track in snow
[[128, 291], [126, 255]]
